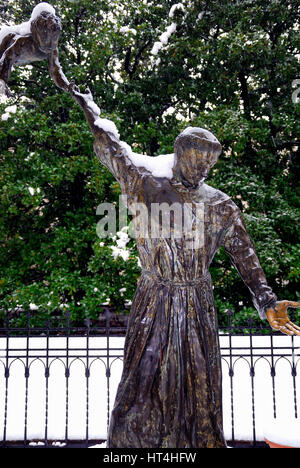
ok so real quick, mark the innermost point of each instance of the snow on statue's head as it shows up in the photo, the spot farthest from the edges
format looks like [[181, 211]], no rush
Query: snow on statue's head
[[45, 27], [196, 151]]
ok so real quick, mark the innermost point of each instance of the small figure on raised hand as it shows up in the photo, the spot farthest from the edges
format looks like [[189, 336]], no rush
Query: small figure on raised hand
[[35, 40]]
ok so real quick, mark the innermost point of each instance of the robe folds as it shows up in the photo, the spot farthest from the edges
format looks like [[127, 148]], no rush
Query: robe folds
[[170, 393]]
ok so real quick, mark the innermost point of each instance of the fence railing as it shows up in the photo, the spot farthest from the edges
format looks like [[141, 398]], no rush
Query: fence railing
[[58, 384]]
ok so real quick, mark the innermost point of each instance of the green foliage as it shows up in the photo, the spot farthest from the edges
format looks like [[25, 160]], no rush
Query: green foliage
[[230, 71]]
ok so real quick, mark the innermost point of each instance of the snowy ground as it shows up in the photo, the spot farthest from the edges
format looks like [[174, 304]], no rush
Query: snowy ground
[[95, 386]]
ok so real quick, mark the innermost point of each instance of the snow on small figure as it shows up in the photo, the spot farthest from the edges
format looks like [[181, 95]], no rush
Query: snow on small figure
[[34, 40]]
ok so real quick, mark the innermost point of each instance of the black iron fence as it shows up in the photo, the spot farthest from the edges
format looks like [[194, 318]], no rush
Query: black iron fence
[[57, 384]]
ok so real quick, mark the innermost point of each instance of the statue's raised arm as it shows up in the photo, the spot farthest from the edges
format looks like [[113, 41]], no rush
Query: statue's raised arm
[[34, 40], [126, 166]]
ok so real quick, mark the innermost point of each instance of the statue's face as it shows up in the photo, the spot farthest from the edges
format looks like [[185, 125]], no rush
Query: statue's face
[[46, 29], [193, 165], [196, 152]]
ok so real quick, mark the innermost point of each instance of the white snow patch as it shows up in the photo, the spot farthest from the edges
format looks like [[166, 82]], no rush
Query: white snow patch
[[177, 6], [58, 444], [156, 48], [39, 8], [163, 39], [159, 166], [99, 445], [283, 431], [201, 133], [107, 126], [285, 427], [93, 106]]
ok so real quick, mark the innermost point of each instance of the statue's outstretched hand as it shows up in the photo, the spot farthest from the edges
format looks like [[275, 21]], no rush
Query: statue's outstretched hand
[[75, 92], [86, 102], [279, 320]]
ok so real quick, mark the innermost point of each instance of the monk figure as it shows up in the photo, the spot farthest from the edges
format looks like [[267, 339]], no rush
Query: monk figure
[[28, 42], [170, 394], [170, 390]]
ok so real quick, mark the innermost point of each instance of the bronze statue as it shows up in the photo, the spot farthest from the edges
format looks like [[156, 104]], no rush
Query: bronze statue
[[32, 41], [170, 390]]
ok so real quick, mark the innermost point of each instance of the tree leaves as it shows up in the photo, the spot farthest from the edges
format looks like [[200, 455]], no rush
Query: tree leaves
[[228, 67]]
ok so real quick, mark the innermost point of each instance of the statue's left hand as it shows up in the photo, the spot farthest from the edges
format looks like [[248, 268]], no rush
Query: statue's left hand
[[279, 320], [75, 91]]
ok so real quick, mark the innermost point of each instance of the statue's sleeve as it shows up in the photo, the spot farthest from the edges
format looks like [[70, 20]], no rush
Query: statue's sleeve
[[115, 155], [241, 251]]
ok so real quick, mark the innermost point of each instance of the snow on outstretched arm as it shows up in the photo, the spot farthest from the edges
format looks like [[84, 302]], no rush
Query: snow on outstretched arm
[[115, 154]]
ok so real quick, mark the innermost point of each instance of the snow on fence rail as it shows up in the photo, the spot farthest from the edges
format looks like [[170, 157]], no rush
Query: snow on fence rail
[[59, 389]]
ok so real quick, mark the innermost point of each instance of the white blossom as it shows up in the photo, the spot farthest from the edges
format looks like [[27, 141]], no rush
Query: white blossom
[[120, 252], [126, 29]]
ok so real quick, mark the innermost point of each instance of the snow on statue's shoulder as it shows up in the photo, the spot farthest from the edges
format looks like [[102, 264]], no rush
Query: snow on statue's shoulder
[[108, 126], [159, 166]]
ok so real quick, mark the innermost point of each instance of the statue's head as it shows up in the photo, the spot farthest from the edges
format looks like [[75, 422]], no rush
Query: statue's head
[[196, 151], [46, 28]]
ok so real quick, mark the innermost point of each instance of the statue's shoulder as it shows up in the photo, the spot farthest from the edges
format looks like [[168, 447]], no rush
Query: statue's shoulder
[[6, 38], [213, 196]]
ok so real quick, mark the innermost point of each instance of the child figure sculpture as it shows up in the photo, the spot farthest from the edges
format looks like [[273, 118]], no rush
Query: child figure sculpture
[[28, 42]]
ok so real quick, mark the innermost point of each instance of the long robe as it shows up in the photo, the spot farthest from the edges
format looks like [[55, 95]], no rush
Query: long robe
[[170, 393]]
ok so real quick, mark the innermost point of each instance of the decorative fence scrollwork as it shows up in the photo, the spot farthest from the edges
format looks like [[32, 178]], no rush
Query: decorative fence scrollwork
[[58, 384]]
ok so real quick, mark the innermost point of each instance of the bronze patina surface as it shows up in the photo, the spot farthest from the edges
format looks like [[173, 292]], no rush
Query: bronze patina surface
[[39, 44], [170, 394]]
